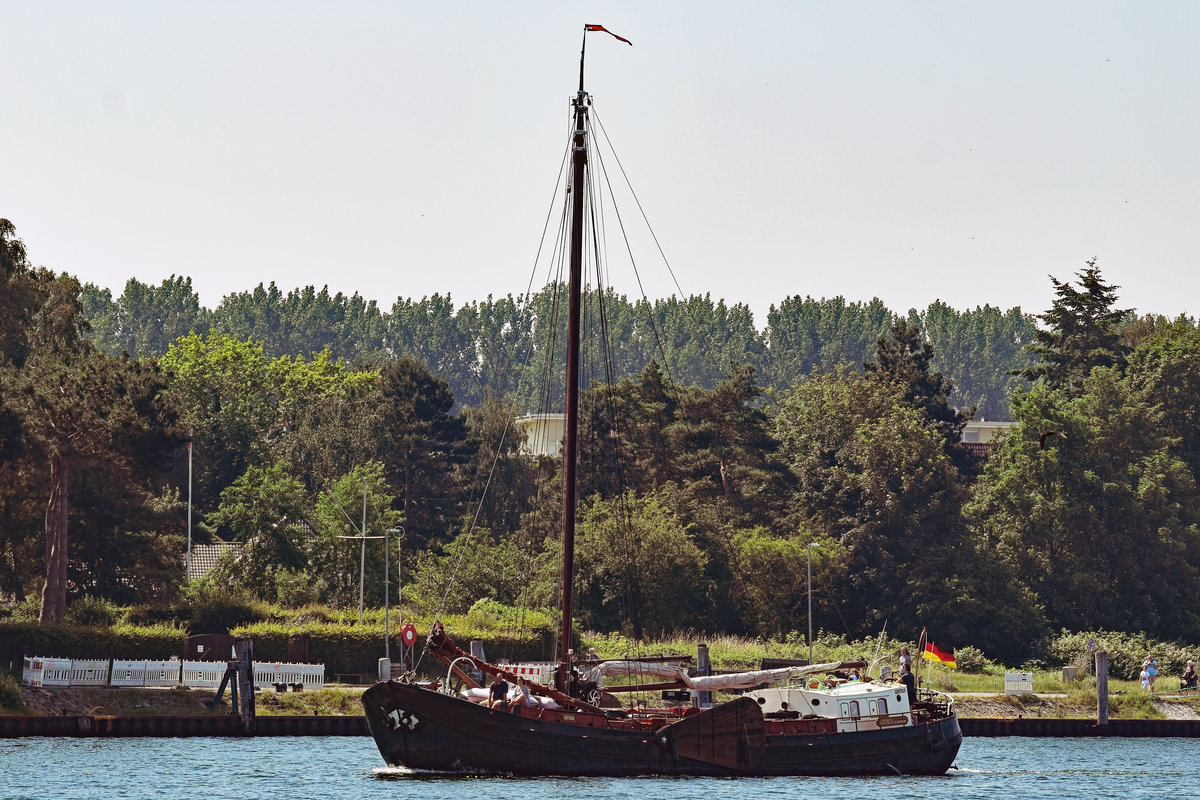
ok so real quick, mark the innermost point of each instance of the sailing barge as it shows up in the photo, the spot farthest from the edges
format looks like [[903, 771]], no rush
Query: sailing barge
[[807, 726]]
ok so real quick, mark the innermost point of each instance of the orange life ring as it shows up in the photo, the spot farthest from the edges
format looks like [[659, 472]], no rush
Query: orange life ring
[[408, 634]]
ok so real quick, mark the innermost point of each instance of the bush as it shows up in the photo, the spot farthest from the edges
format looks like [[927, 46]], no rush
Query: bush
[[94, 612], [27, 610], [1126, 652], [68, 641], [294, 589], [158, 614], [972, 659], [10, 693], [220, 609]]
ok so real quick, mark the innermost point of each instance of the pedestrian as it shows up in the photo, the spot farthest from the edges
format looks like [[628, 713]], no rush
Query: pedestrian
[[1144, 677], [1152, 670], [1188, 681]]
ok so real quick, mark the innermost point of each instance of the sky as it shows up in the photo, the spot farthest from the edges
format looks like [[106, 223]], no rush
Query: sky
[[911, 151]]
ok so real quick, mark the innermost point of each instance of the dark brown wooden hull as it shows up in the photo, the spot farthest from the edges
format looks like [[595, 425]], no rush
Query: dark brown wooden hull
[[420, 729]]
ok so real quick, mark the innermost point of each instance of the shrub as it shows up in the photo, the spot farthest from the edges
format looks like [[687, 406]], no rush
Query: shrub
[[68, 641], [94, 612], [10, 693], [158, 614], [27, 610], [297, 588], [220, 609], [1126, 652], [972, 659]]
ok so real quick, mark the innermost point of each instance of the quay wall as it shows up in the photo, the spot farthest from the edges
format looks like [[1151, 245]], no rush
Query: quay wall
[[1124, 728], [77, 726], [182, 726]]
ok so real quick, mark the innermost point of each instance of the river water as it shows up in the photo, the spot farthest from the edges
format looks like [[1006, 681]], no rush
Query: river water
[[350, 768]]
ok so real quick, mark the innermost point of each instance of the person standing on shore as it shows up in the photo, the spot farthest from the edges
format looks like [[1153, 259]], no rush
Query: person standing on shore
[[1188, 681], [1152, 670], [1144, 677]]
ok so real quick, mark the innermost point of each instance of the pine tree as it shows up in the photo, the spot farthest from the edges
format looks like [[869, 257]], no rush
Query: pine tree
[[1084, 332]]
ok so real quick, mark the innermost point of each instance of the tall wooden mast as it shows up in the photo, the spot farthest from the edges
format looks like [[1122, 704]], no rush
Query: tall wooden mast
[[571, 437]]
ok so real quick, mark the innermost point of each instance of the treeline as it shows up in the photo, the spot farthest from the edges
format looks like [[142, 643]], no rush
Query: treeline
[[703, 496], [500, 347]]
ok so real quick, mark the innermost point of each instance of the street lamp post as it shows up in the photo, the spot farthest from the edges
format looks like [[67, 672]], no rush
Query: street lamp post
[[810, 641], [387, 589]]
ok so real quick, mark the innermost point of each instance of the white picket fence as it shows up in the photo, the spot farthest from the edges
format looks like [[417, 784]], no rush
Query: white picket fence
[[39, 671]]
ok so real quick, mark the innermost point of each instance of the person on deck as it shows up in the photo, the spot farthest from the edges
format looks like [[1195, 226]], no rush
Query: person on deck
[[498, 691], [910, 682], [1188, 681], [520, 695], [905, 658]]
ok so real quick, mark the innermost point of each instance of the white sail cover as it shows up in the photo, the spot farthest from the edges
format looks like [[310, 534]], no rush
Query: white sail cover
[[703, 683]]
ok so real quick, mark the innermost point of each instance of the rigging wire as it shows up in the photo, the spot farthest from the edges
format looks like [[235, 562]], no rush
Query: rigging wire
[[683, 298]]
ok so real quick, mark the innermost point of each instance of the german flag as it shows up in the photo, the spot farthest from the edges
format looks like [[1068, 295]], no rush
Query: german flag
[[935, 651]]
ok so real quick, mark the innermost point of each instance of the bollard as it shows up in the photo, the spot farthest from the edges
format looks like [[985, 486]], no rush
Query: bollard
[[703, 667], [244, 647], [1102, 687]]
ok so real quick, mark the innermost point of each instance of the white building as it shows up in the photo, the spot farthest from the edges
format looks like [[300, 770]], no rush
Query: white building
[[543, 433]]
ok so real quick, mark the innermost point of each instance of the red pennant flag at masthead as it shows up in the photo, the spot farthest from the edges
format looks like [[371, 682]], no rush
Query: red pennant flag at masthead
[[603, 29]]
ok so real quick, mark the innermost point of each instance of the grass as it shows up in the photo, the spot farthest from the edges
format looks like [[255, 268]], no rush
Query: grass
[[323, 702]]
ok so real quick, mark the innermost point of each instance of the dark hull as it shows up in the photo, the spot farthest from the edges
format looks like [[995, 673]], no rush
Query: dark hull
[[421, 729]]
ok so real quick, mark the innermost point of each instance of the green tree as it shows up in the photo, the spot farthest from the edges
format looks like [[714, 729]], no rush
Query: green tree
[[770, 579], [808, 335], [264, 508], [979, 349], [85, 409], [1084, 331], [424, 451], [637, 566], [874, 476], [230, 409], [904, 358], [1164, 368], [145, 319], [343, 563], [1088, 501]]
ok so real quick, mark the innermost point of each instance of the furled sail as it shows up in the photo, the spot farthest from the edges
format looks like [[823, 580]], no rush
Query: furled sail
[[704, 683]]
